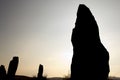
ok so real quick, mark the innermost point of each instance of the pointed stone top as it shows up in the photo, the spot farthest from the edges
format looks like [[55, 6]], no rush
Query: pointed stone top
[[86, 25], [83, 10]]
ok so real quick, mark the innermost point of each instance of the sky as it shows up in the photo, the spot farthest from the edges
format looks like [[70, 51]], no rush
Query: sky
[[39, 32]]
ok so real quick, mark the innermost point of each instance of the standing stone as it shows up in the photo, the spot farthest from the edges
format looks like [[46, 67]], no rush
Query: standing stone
[[40, 72], [12, 68], [2, 73], [90, 59]]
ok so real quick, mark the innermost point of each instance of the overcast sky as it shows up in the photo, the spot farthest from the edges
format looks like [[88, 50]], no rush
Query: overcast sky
[[39, 32]]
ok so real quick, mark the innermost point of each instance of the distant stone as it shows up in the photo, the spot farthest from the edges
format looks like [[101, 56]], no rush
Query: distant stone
[[12, 68]]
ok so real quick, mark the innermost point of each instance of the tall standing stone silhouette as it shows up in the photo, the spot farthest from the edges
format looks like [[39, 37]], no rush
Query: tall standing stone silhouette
[[12, 68], [40, 72], [90, 59]]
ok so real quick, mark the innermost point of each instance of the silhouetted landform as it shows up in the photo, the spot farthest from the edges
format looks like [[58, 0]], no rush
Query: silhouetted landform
[[90, 59], [110, 78], [114, 78], [18, 77]]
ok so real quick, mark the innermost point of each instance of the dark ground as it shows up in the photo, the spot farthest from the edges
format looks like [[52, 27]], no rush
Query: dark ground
[[19, 77]]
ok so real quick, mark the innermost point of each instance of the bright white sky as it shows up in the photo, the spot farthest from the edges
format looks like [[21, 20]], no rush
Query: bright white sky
[[39, 32]]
